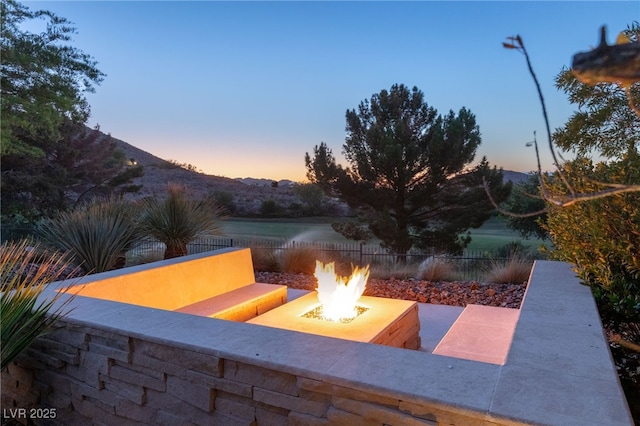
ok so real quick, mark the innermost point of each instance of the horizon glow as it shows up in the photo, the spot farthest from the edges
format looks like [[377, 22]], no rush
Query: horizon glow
[[244, 89]]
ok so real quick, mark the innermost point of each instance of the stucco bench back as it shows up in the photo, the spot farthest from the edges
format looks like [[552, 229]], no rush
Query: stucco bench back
[[174, 283]]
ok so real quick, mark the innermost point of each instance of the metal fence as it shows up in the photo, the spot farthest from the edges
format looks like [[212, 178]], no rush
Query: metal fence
[[470, 266]]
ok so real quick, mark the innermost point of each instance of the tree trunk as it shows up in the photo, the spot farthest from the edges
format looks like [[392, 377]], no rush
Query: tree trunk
[[175, 250]]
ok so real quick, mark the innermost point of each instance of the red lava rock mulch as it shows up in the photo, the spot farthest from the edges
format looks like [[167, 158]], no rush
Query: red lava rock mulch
[[457, 293]]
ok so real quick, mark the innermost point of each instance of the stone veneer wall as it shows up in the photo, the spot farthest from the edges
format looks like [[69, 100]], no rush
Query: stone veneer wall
[[95, 376], [114, 364]]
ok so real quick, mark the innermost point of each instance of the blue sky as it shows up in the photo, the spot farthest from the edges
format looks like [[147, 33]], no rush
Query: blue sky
[[242, 89]]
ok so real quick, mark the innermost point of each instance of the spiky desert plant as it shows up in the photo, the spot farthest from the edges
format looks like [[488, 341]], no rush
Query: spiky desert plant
[[179, 219], [97, 235], [515, 271], [25, 272]]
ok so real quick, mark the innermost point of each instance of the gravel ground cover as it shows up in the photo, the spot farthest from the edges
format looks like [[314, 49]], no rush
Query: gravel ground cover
[[456, 293]]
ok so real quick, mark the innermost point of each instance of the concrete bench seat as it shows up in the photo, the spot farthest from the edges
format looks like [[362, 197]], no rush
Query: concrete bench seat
[[480, 333], [218, 284], [240, 304]]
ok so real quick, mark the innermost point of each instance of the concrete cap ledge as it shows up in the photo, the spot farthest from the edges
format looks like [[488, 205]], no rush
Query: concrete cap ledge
[[558, 372], [559, 369]]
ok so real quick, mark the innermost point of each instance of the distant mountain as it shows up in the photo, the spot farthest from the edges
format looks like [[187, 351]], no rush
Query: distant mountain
[[264, 182], [513, 176], [158, 173], [248, 193]]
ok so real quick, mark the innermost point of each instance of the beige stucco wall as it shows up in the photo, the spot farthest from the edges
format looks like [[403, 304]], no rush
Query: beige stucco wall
[[174, 283]]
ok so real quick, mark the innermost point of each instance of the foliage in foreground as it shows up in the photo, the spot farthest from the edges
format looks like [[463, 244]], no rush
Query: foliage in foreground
[[49, 158], [593, 208], [25, 272], [96, 236], [601, 237]]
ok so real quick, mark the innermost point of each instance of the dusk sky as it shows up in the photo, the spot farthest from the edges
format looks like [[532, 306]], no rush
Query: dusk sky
[[242, 89]]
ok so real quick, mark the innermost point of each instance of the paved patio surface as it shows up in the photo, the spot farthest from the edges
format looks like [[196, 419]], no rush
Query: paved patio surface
[[435, 320]]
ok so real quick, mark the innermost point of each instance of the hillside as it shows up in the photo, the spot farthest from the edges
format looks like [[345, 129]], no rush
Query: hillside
[[513, 176], [248, 193], [158, 173]]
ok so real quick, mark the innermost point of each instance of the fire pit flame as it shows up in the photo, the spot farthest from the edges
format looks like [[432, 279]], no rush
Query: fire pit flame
[[338, 295]]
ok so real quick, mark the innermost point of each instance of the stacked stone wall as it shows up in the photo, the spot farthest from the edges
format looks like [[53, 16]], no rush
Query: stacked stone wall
[[93, 376]]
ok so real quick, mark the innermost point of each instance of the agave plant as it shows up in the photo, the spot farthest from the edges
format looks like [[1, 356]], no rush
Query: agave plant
[[178, 219], [25, 271], [97, 235]]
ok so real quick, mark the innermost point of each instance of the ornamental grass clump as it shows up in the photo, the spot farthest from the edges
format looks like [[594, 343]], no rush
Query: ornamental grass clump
[[515, 271], [436, 269], [392, 268], [25, 272], [96, 236], [264, 259], [299, 259]]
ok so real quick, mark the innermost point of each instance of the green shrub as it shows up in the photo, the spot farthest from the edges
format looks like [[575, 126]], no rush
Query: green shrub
[[602, 237], [270, 208], [225, 200]]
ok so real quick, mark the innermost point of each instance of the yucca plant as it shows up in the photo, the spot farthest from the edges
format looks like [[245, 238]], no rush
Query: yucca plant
[[96, 236], [178, 219], [25, 271]]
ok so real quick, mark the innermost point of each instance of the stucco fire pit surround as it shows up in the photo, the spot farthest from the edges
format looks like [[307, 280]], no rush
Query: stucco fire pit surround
[[205, 358]]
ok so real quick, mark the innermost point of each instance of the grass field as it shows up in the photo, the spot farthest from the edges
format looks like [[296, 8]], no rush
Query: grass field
[[492, 235]]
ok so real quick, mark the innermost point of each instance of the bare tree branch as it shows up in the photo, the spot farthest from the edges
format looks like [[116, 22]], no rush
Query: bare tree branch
[[506, 212], [620, 64], [521, 48]]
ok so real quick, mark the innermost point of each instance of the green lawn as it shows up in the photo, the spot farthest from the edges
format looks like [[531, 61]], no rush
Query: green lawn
[[316, 229], [492, 235]]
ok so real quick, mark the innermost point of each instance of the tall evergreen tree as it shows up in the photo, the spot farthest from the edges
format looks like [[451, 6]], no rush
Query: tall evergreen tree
[[48, 157], [410, 174]]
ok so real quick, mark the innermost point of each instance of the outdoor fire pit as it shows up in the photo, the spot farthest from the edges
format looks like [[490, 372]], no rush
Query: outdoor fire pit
[[339, 310]]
